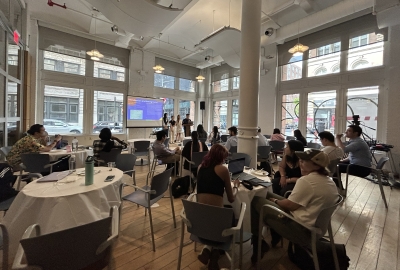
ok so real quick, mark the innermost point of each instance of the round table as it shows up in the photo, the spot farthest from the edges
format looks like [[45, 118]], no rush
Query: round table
[[59, 206], [80, 155]]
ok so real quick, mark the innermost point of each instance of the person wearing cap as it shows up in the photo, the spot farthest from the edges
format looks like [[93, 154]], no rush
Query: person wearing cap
[[289, 169], [232, 140], [313, 192]]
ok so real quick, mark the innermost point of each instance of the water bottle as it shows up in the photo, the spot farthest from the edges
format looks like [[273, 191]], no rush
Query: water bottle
[[89, 170], [72, 163], [74, 144]]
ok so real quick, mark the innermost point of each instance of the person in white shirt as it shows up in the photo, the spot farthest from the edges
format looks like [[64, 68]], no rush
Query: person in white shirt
[[313, 192], [330, 148], [232, 140], [262, 141]]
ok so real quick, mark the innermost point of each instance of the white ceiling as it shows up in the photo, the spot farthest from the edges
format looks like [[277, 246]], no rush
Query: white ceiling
[[181, 30]]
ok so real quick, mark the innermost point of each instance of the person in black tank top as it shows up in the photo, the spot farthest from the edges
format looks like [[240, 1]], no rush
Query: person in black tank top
[[212, 181]]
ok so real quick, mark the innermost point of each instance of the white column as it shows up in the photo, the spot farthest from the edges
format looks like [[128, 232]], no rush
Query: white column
[[249, 79]]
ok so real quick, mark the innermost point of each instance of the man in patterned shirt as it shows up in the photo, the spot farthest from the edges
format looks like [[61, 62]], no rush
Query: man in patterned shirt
[[29, 144]]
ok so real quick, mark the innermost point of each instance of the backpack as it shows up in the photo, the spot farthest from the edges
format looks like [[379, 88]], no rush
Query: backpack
[[303, 260], [7, 180], [181, 186]]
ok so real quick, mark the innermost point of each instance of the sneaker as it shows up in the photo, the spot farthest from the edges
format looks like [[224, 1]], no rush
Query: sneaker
[[204, 256]]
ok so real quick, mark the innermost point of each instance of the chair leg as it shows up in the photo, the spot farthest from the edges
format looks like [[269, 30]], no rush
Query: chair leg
[[172, 204], [314, 251], [151, 228], [233, 252], [260, 227], [241, 248], [181, 245], [195, 246], [379, 175], [333, 247]]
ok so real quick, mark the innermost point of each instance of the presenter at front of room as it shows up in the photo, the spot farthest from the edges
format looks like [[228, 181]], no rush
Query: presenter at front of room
[[187, 123]]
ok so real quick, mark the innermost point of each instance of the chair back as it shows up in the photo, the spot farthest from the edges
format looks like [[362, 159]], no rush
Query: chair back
[[35, 162], [141, 146], [314, 145], [4, 152], [160, 183], [185, 141], [197, 213], [381, 163], [166, 142], [277, 145], [247, 158], [125, 162], [332, 167], [224, 137], [267, 136], [264, 151], [290, 138], [324, 217], [73, 248], [197, 158], [110, 156], [233, 149]]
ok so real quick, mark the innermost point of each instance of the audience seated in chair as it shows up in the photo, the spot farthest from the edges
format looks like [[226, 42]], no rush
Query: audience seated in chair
[[214, 136], [165, 154], [201, 133], [212, 182], [289, 169], [277, 136], [330, 148], [106, 143], [193, 146], [300, 137], [313, 192], [232, 140]]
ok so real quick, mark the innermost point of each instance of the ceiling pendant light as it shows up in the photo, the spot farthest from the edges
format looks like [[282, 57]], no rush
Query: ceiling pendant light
[[298, 49], [94, 54], [200, 78], [158, 68]]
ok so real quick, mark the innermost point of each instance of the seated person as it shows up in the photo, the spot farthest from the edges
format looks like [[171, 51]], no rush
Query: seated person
[[106, 143], [212, 182], [29, 144], [313, 192], [214, 136], [300, 137], [44, 139], [262, 141], [330, 148], [193, 146], [358, 150], [165, 154], [232, 140], [201, 133], [277, 136], [289, 169]]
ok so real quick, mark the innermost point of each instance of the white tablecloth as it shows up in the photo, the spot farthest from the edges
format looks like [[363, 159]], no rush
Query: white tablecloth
[[61, 206], [80, 156]]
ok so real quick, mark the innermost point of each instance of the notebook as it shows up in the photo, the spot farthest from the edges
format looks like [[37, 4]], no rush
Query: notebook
[[54, 177], [236, 166]]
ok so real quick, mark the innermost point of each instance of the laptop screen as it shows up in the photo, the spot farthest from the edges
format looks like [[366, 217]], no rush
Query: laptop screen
[[236, 166]]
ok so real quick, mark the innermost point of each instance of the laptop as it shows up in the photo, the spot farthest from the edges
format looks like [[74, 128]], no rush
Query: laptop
[[236, 166]]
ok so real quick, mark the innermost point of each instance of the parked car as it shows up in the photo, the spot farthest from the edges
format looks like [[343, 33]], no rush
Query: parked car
[[114, 126], [54, 126]]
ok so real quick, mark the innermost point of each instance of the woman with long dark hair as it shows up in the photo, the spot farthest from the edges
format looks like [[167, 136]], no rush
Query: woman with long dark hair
[[214, 136], [212, 182], [193, 146], [300, 137], [289, 169], [202, 134], [165, 123]]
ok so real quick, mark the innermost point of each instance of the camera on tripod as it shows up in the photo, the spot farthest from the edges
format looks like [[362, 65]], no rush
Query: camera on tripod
[[356, 119]]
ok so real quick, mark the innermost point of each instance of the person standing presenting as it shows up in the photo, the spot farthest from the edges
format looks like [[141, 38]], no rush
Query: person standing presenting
[[178, 129], [172, 127], [165, 124], [187, 123]]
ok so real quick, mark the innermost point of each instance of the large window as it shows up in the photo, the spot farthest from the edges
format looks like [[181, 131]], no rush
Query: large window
[[221, 85], [107, 71], [63, 63], [14, 61], [108, 111], [63, 112], [220, 115], [235, 112], [324, 60], [293, 70], [13, 99], [321, 113], [169, 107], [236, 82], [164, 81], [186, 107], [290, 113], [365, 51], [186, 85], [364, 103]]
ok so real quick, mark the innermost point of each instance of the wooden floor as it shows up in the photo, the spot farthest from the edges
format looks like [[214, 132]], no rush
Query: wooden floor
[[370, 232]]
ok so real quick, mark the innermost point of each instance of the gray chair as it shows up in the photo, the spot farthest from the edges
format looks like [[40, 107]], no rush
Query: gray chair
[[105, 157], [333, 166], [267, 136], [185, 141], [36, 164], [263, 155], [284, 223], [148, 195], [4, 152], [219, 234], [142, 148], [242, 155], [233, 149], [314, 145], [6, 204], [4, 245], [81, 247], [290, 138], [224, 138], [126, 163], [375, 172], [277, 147]]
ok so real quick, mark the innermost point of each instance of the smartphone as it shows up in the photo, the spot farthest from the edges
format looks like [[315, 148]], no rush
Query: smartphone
[[109, 178]]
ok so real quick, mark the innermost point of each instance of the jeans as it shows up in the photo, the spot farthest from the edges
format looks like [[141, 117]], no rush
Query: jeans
[[355, 170]]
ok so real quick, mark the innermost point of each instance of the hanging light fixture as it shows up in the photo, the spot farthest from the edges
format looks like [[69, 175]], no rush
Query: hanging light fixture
[[200, 78], [94, 54], [299, 48], [158, 68]]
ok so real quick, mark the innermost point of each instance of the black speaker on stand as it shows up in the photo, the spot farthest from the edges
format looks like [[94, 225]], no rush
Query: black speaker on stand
[[202, 107]]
